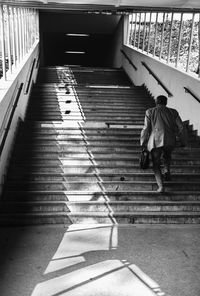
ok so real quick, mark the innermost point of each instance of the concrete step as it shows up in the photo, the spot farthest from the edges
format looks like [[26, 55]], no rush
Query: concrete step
[[17, 219], [102, 137], [64, 101], [110, 140], [29, 156], [102, 112], [95, 99], [26, 155], [109, 123], [57, 149], [136, 218], [107, 162], [100, 206], [94, 168], [77, 196], [82, 116], [115, 82], [55, 152], [83, 125], [79, 131], [85, 88], [85, 91], [76, 142], [58, 102], [88, 177], [102, 185], [90, 137], [100, 217]]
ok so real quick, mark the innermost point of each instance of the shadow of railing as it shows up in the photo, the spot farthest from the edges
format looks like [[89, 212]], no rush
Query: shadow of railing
[[94, 259]]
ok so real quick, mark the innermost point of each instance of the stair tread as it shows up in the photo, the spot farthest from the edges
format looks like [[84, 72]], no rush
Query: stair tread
[[101, 182], [81, 192], [105, 174], [92, 214], [135, 202]]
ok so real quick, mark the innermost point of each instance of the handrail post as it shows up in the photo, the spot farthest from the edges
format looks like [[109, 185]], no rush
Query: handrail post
[[3, 46]]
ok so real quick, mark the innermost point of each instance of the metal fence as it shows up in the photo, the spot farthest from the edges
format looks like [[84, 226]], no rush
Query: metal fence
[[170, 37], [19, 29]]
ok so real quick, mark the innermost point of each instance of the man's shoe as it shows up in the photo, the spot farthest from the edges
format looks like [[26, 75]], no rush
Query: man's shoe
[[161, 189], [167, 176]]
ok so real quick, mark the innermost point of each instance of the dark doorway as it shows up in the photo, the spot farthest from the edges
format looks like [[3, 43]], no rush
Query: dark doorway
[[73, 49]]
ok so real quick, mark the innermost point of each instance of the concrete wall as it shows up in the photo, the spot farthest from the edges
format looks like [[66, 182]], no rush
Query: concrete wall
[[173, 79], [78, 23], [8, 91], [117, 41]]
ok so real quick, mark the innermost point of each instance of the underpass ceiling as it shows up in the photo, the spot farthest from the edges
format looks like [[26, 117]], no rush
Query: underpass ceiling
[[108, 5]]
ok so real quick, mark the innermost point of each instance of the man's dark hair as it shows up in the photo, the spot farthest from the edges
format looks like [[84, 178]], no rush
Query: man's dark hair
[[161, 100]]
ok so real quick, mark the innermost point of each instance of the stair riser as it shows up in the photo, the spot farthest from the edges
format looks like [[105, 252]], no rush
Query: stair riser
[[17, 221], [98, 196], [37, 148], [87, 153], [83, 137], [157, 220], [55, 156], [121, 186], [76, 142], [22, 220], [89, 106], [68, 131], [126, 207], [92, 169], [131, 208], [56, 150], [23, 155], [90, 92], [92, 109], [67, 101], [84, 178], [79, 117], [137, 220], [87, 162], [69, 140], [66, 118]]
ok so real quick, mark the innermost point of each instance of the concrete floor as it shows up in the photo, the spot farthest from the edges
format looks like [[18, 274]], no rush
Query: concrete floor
[[100, 260]]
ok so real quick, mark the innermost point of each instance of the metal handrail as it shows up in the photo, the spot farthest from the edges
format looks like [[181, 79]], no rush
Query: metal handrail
[[6, 129], [157, 79], [128, 59], [30, 76], [187, 90]]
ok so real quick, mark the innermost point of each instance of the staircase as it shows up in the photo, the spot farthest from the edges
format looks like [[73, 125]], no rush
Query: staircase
[[76, 156]]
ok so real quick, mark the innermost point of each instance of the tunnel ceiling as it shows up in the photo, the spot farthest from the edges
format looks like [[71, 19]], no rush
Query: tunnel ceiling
[[108, 5]]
